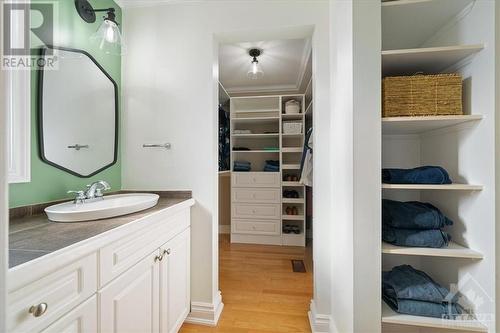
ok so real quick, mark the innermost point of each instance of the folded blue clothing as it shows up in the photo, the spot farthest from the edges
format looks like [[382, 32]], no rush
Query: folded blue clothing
[[406, 282], [273, 163], [422, 308], [241, 169], [242, 163], [420, 175], [412, 215], [434, 238]]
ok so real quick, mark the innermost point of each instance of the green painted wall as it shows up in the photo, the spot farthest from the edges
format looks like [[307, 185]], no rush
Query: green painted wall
[[49, 183]]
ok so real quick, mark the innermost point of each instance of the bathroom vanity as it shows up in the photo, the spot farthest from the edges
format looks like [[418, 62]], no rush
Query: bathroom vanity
[[123, 274]]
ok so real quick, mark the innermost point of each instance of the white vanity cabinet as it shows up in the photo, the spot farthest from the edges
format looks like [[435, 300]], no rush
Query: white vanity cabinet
[[108, 283]]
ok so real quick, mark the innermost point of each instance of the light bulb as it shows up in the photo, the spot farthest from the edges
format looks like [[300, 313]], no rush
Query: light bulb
[[110, 34], [254, 67]]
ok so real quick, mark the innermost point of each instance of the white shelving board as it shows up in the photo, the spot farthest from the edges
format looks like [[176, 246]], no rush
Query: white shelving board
[[425, 60], [453, 250], [291, 166], [449, 187], [285, 183], [391, 317], [293, 217], [264, 135], [419, 125], [292, 149], [293, 200], [409, 23], [255, 120]]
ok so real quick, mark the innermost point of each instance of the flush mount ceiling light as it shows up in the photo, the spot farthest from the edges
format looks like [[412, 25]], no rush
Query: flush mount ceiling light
[[108, 37], [255, 71]]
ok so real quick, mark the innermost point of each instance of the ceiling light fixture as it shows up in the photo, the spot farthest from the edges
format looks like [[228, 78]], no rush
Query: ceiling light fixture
[[107, 37], [255, 71]]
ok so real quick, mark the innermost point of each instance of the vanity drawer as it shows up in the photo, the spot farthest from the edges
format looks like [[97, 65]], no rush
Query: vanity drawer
[[258, 195], [60, 290], [256, 227], [256, 211], [255, 179], [117, 257]]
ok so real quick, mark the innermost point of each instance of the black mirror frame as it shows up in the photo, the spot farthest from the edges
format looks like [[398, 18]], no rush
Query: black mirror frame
[[39, 107]]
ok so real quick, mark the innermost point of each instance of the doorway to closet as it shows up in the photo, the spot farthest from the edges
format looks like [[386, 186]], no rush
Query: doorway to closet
[[265, 182]]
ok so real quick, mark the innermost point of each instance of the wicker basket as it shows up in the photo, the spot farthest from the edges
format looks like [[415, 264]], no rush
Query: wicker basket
[[422, 95]]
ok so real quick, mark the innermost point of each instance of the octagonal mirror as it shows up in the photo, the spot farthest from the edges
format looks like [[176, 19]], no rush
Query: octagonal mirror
[[77, 113]]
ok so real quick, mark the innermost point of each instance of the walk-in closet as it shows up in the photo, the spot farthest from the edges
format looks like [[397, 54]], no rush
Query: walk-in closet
[[421, 39], [265, 173]]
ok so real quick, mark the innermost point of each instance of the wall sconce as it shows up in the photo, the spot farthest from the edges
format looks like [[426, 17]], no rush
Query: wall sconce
[[108, 37]]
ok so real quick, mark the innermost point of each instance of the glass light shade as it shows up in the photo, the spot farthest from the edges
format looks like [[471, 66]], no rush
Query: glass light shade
[[108, 38], [255, 71]]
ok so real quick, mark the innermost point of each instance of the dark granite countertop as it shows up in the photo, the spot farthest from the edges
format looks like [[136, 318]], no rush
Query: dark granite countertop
[[35, 236]]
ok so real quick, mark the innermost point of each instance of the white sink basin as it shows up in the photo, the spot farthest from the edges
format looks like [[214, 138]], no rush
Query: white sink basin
[[109, 206]]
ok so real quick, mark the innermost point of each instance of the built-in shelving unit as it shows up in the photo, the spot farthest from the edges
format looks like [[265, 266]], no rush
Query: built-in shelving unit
[[453, 250], [420, 125], [391, 317], [263, 118], [425, 60], [432, 37]]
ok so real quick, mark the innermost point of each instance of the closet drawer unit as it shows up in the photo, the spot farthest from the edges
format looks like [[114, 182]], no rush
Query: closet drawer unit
[[257, 195], [47, 297], [256, 227], [255, 179], [256, 211]]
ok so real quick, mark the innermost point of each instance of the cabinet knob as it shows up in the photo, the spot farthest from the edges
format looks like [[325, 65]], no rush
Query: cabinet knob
[[167, 251], [38, 310], [158, 258]]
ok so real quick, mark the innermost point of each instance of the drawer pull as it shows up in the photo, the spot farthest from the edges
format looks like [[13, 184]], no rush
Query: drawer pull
[[38, 310], [158, 258], [166, 252]]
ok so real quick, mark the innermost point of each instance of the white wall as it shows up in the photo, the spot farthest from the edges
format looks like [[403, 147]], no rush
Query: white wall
[[497, 156], [4, 220], [356, 163], [168, 96], [468, 153]]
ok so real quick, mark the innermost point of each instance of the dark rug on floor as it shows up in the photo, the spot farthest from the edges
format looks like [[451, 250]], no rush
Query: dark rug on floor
[[298, 266]]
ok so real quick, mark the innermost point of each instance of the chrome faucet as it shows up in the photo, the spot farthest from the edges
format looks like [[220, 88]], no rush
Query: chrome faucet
[[93, 191]]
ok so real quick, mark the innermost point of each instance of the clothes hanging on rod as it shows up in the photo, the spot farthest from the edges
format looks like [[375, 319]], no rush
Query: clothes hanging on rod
[[306, 164], [224, 135]]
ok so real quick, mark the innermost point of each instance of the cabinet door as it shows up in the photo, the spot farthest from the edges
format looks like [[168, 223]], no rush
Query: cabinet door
[[175, 295], [130, 304], [83, 319]]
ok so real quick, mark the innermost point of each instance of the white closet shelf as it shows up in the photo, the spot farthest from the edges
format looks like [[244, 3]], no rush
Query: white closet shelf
[[291, 184], [257, 151], [422, 124], [256, 110], [426, 60], [259, 120], [292, 150], [292, 135], [391, 317], [462, 187], [291, 166], [410, 23], [293, 200], [263, 135], [453, 250], [292, 217], [297, 116]]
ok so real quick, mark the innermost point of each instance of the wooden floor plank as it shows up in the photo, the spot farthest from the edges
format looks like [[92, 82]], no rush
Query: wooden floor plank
[[260, 291]]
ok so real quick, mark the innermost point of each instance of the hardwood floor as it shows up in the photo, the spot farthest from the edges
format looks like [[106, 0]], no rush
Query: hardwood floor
[[260, 291]]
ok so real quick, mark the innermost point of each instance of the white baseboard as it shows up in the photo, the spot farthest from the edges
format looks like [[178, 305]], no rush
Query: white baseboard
[[206, 313], [320, 323], [224, 228]]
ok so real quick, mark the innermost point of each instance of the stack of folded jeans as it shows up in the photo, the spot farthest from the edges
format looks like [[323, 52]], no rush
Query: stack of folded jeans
[[414, 224], [272, 166], [241, 166], [420, 175], [410, 291]]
